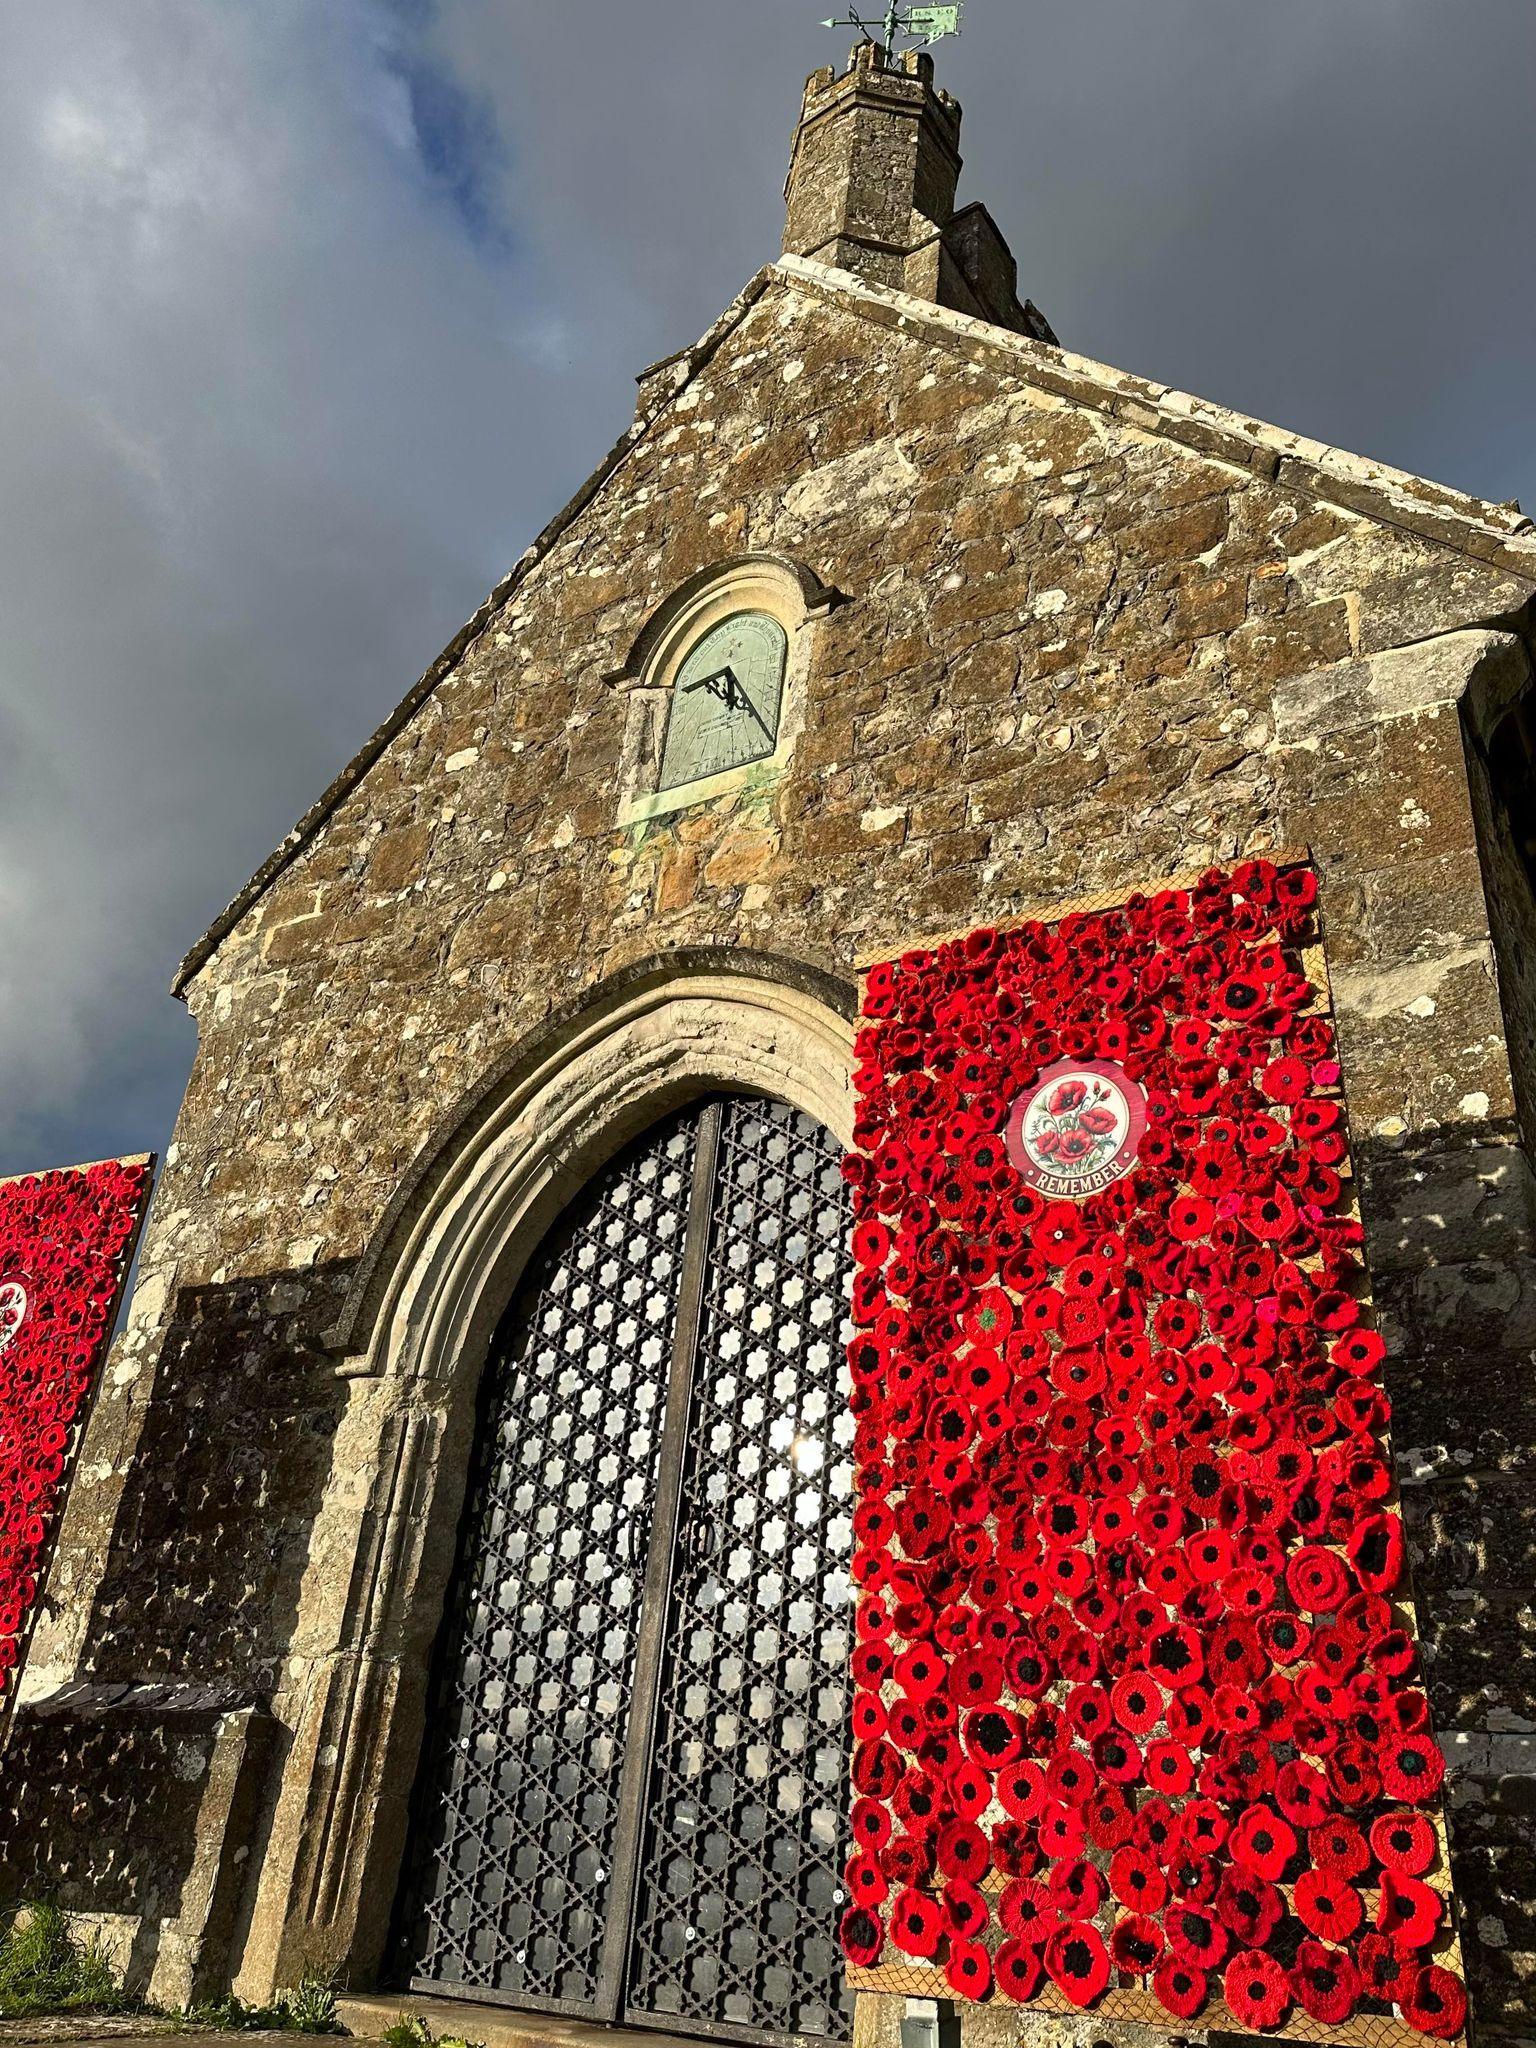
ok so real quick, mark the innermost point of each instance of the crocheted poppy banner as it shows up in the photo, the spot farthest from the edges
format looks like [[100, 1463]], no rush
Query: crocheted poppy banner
[[66, 1240], [1138, 1723]]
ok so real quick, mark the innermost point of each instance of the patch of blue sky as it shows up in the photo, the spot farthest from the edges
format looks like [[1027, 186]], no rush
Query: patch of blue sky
[[458, 144]]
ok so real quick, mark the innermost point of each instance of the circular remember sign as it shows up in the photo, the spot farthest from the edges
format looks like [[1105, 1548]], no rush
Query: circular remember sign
[[13, 1309], [1077, 1129]]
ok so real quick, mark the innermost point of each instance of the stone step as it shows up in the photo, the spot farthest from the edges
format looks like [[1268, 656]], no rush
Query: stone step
[[498, 2026]]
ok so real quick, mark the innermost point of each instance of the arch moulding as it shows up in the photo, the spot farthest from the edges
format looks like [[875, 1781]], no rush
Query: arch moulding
[[413, 1337]]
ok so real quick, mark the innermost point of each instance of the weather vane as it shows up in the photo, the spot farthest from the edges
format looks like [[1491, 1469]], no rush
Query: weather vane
[[921, 24]]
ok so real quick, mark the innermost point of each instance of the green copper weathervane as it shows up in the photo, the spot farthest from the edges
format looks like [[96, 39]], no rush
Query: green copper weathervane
[[921, 24]]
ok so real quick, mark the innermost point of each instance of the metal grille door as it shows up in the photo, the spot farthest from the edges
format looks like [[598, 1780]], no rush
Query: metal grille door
[[518, 1806], [631, 1791], [736, 1919]]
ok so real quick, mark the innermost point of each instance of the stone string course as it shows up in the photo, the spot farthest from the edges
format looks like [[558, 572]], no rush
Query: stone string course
[[1096, 633]]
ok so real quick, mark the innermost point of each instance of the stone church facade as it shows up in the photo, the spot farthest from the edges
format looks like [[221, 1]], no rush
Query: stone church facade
[[1050, 632]]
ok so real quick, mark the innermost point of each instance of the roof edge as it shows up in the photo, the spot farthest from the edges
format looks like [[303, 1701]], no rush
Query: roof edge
[[1488, 533], [1454, 519]]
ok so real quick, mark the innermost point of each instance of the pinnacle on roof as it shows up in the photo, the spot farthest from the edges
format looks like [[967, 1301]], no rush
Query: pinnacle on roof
[[871, 190]]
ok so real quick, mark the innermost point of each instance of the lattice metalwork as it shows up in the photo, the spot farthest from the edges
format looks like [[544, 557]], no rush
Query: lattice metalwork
[[632, 1793], [510, 1869], [738, 1893]]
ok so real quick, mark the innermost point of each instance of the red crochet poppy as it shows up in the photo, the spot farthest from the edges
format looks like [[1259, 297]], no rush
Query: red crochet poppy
[[1352, 1772], [862, 1937], [1063, 1831], [907, 1724], [1077, 1889], [1195, 1935], [871, 1662], [993, 1738], [1249, 1906], [1181, 1989], [920, 1671], [1136, 1945], [917, 1924], [1376, 1552], [871, 1823], [1117, 1759], [1393, 1654], [1233, 1655], [1028, 1910], [865, 1881], [1256, 1989], [1089, 1710], [1069, 1777], [1078, 1962], [1017, 1969], [968, 1969], [1404, 1842], [1190, 1716], [1263, 1841], [1385, 1969], [1359, 1353], [1407, 1910], [1324, 1982], [1175, 1657], [917, 1799], [1015, 1851], [869, 1717], [1030, 1669], [908, 1860], [1412, 1768], [1436, 2003], [1110, 1818], [1316, 1580], [963, 1850], [1155, 1830], [1138, 1705], [1203, 1827], [1338, 1849], [876, 1769], [1136, 1880], [1169, 1767], [1327, 1905], [1021, 1790]]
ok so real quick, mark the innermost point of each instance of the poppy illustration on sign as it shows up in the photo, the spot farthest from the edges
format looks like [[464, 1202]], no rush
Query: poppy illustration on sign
[[1079, 1128], [13, 1309]]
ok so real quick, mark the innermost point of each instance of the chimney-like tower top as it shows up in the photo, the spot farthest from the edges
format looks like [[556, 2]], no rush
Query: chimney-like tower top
[[871, 189]]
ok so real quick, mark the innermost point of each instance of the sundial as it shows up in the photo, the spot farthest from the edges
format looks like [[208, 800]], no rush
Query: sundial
[[726, 700], [918, 25]]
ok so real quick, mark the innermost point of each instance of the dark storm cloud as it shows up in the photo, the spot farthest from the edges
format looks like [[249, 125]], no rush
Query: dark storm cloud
[[311, 312]]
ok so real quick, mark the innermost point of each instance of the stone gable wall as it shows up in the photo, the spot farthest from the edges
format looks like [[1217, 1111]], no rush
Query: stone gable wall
[[1074, 658]]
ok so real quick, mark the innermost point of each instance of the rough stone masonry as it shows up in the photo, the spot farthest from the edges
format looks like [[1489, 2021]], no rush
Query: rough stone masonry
[[1092, 633]]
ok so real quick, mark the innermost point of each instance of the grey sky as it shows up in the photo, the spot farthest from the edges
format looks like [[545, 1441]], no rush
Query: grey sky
[[312, 312]]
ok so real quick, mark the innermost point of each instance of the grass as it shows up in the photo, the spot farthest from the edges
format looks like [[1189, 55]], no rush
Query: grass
[[411, 2031], [47, 1967], [310, 2008]]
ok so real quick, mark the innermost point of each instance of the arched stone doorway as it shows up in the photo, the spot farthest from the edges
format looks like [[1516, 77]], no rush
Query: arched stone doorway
[[413, 1340], [633, 1775]]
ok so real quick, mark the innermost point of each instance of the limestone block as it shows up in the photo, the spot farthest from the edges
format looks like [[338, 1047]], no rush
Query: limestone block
[[1389, 685]]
